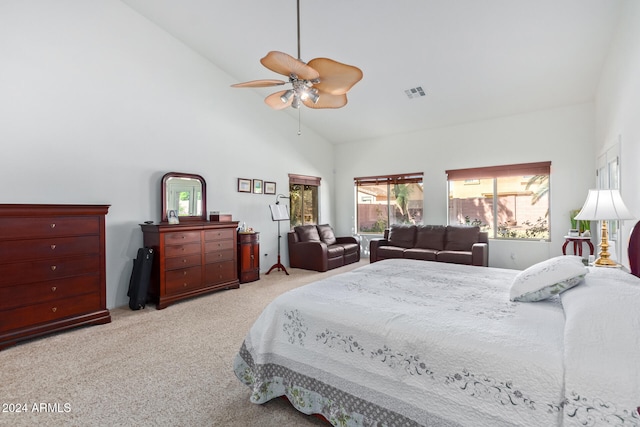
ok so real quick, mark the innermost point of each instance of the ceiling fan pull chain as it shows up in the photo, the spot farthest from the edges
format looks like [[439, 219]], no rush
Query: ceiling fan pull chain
[[299, 130]]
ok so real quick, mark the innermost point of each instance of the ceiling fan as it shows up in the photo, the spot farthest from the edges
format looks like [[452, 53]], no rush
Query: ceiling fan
[[321, 83]]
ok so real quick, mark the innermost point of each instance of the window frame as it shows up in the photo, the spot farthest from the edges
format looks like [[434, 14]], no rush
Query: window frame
[[502, 171], [304, 180], [389, 180]]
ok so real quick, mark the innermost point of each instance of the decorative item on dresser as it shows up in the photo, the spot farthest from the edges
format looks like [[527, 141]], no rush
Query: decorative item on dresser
[[191, 259], [248, 256], [52, 269]]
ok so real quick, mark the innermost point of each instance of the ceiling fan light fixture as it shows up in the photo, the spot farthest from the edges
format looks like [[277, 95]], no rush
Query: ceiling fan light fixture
[[320, 83], [287, 96], [313, 95]]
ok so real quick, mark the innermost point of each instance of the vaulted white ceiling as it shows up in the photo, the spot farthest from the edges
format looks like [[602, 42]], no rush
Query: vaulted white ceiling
[[475, 59]]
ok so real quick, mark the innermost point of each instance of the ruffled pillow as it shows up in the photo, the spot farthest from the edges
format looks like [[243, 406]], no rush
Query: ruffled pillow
[[548, 278]]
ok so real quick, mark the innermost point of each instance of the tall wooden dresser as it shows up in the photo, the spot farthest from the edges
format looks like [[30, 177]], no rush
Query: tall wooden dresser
[[191, 258], [52, 269]]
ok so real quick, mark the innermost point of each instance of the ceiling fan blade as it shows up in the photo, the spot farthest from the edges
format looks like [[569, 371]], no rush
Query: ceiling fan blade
[[260, 83], [327, 100], [285, 64], [336, 78], [275, 102]]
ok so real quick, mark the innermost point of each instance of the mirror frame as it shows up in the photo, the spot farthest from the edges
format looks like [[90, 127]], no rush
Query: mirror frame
[[163, 196]]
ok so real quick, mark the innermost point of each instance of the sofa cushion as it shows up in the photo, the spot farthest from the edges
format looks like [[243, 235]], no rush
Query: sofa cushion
[[430, 237], [326, 234], [402, 235], [349, 248], [390, 252], [461, 238], [455, 257], [307, 233], [335, 251], [421, 254]]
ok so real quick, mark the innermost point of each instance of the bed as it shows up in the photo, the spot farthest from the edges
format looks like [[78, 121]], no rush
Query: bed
[[411, 343]]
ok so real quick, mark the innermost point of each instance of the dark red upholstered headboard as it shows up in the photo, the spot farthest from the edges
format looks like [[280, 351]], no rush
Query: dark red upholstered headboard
[[634, 250]]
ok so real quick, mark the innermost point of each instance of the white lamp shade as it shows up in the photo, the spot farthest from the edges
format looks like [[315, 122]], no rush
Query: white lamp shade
[[604, 205]]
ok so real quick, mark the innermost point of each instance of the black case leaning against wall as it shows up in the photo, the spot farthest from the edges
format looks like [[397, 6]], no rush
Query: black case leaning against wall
[[140, 276]]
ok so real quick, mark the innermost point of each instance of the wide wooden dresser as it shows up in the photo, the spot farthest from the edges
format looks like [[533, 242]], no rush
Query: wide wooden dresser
[[52, 269], [190, 259]]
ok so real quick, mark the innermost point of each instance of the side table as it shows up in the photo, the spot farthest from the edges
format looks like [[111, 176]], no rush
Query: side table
[[577, 244], [248, 256]]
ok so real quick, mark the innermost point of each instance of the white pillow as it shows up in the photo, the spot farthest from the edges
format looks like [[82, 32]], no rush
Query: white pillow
[[548, 278]]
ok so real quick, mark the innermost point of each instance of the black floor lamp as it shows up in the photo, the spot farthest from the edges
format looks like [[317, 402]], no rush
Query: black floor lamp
[[279, 213]]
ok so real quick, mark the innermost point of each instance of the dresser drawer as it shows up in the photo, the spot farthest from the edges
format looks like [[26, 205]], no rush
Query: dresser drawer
[[220, 272], [51, 269], [21, 250], [183, 237], [181, 250], [25, 228], [48, 311], [182, 262], [178, 281], [34, 293], [223, 234], [218, 245], [218, 256]]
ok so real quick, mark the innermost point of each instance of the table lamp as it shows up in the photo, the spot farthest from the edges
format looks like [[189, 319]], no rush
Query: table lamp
[[604, 205]]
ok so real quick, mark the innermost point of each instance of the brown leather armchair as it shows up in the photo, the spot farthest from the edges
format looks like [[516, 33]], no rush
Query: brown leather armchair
[[315, 247]]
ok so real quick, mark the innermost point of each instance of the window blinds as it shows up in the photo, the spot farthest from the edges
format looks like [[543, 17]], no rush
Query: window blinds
[[522, 169], [407, 178]]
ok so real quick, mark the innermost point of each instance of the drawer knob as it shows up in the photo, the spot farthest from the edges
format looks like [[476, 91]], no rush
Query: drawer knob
[[184, 273], [53, 288], [53, 268], [183, 237], [184, 261], [185, 285], [53, 225], [53, 247], [54, 309]]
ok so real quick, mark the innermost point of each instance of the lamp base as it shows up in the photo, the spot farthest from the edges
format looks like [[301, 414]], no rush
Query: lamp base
[[600, 262], [603, 259]]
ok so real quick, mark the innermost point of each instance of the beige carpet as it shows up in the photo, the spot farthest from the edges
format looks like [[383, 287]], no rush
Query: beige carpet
[[171, 367]]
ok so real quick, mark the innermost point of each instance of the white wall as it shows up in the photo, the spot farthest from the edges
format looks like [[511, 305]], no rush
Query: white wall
[[565, 136], [97, 103], [618, 109]]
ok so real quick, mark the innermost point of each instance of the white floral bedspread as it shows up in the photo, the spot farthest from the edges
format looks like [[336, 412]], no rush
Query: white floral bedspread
[[602, 350], [402, 342]]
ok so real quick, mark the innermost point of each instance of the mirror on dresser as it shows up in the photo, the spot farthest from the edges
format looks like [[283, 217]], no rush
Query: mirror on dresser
[[186, 195]]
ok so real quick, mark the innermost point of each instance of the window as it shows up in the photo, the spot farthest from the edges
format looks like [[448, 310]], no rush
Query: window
[[388, 199], [303, 194], [510, 202]]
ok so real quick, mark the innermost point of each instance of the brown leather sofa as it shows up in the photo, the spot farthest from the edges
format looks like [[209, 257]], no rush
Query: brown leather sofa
[[315, 247], [454, 244]]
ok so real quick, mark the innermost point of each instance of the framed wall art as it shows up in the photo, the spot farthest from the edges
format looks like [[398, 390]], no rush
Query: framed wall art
[[257, 186], [244, 185], [269, 187]]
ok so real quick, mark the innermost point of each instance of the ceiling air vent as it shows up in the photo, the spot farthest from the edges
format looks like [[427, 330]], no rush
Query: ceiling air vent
[[415, 92]]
